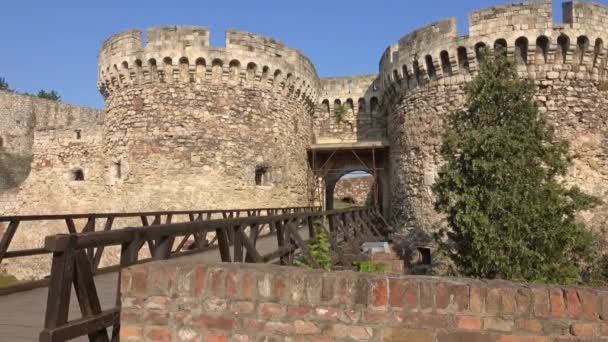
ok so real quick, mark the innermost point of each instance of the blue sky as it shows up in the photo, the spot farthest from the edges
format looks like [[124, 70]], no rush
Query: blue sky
[[54, 44]]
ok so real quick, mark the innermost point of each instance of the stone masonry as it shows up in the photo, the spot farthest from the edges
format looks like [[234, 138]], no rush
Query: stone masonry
[[356, 190], [185, 301], [187, 125]]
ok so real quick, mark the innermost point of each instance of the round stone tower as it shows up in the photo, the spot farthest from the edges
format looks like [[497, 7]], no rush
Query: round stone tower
[[203, 126], [423, 78]]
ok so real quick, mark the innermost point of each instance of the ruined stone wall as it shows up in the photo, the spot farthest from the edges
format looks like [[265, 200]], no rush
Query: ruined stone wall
[[423, 78], [363, 120], [185, 301], [195, 124], [358, 189]]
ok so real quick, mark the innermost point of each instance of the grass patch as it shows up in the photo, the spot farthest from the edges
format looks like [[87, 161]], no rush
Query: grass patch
[[7, 280]]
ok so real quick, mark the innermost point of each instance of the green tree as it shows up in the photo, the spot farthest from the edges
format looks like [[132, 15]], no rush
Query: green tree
[[4, 85], [508, 216], [51, 95]]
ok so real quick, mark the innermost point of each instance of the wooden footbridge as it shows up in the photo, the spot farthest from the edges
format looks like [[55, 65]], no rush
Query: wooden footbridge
[[80, 300]]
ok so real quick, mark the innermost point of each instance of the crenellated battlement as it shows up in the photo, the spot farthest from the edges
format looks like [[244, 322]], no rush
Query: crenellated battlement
[[524, 31], [182, 54]]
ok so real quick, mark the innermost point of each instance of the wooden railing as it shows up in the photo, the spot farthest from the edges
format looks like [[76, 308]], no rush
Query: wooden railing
[[111, 221], [72, 266]]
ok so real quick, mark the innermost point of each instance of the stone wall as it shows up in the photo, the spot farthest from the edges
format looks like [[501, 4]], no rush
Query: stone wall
[[184, 301], [358, 190], [363, 120], [423, 77]]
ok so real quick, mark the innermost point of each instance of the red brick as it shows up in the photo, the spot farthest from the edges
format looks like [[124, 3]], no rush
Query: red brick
[[442, 296], [584, 329], [422, 320], [213, 322], [325, 313], [497, 324], [160, 280], [573, 306], [156, 317], [426, 296], [604, 306], [279, 287], [468, 322], [529, 325], [349, 331], [492, 300], [216, 337], [298, 310], [199, 283], [540, 302], [379, 292], [306, 328], [373, 316], [188, 335], [232, 284], [515, 338], [139, 276], [349, 315], [129, 333], [248, 286], [242, 307], [252, 325], [589, 304], [160, 334], [407, 335], [396, 292], [217, 282], [507, 301], [523, 298], [460, 297], [279, 328], [271, 310], [476, 299], [411, 295], [462, 336], [558, 307]]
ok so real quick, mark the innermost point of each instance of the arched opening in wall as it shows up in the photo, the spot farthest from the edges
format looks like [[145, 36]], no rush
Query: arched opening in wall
[[1, 143], [263, 175], [184, 70], [406, 75], [276, 77], [396, 77], [153, 68], [446, 65], [361, 104], [598, 51], [125, 71], [77, 175], [542, 50], [500, 47], [521, 50], [265, 72], [78, 134], [337, 108], [355, 189], [350, 106], [479, 50], [201, 68], [325, 107], [463, 60], [373, 104], [582, 45], [563, 45], [417, 72], [167, 70], [234, 68], [251, 70], [430, 67], [217, 67], [138, 70]]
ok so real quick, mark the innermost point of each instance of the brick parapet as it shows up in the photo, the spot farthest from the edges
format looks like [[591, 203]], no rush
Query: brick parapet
[[183, 301]]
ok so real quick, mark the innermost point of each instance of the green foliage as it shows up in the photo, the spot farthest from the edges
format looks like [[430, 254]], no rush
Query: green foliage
[[4, 85], [51, 95], [370, 267], [319, 248], [507, 214], [340, 113]]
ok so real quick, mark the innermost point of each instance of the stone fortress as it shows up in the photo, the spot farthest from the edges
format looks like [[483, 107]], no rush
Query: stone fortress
[[187, 125]]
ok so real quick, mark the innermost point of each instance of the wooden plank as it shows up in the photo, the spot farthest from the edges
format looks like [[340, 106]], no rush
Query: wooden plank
[[99, 251], [60, 285], [223, 244], [81, 326], [249, 246], [71, 226], [7, 237], [237, 245], [295, 236]]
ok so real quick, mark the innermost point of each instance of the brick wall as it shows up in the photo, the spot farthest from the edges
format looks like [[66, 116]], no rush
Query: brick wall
[[359, 190], [182, 301]]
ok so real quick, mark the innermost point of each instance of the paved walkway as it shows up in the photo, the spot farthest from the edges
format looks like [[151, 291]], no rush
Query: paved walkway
[[22, 314]]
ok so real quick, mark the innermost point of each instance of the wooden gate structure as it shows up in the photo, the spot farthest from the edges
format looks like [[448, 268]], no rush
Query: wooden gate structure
[[72, 264]]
